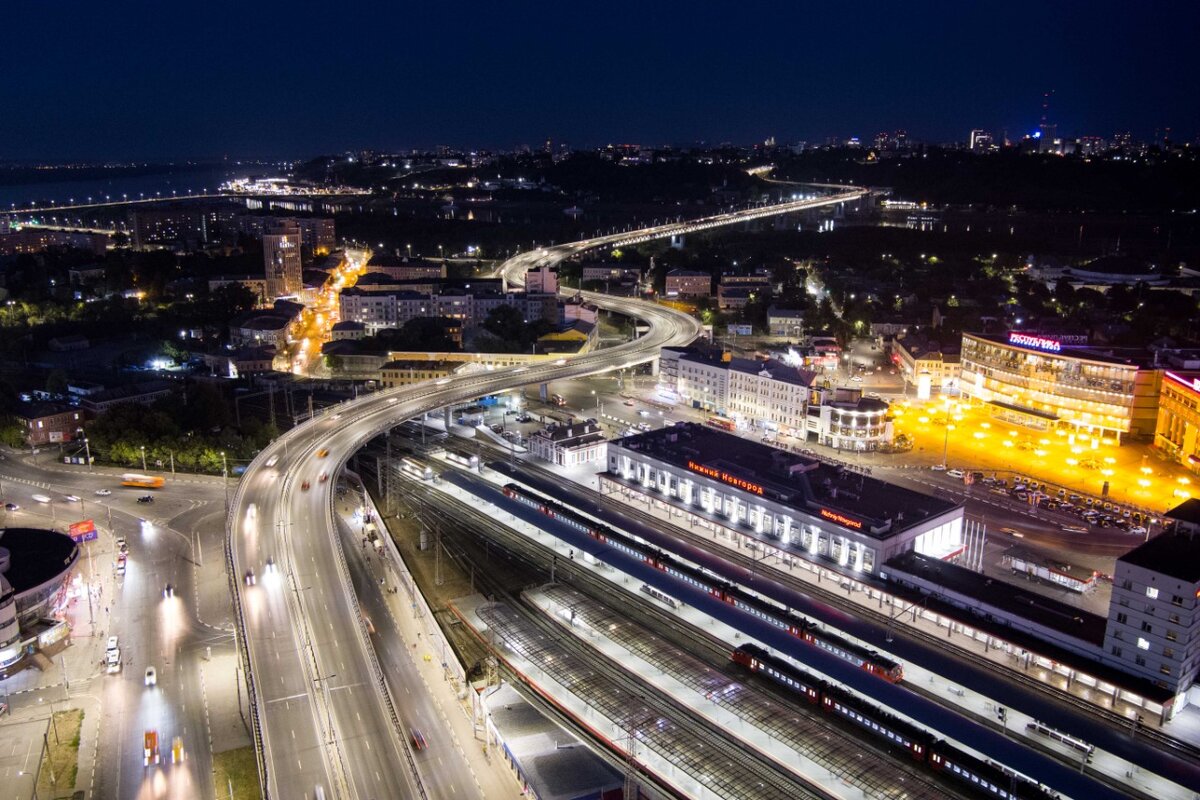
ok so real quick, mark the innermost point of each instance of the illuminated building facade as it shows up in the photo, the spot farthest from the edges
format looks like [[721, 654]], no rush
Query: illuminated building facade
[[814, 510], [1178, 430], [1043, 382]]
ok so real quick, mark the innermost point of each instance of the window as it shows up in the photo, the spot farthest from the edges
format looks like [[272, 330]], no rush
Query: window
[[1171, 635], [1127, 584], [1176, 600], [1141, 662], [1122, 618], [1143, 644], [1116, 651], [1151, 592], [1168, 652], [1146, 627], [1164, 669], [1174, 618]]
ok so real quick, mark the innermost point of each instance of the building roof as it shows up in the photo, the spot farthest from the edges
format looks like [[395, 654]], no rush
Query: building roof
[[38, 555], [921, 346], [774, 369], [1176, 555], [1187, 512], [787, 313], [1126, 356], [348, 325], [415, 364], [868, 506], [572, 434], [261, 321], [687, 273], [131, 392], [43, 409]]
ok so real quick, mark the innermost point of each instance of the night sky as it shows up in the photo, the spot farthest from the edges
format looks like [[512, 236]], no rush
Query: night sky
[[169, 79]]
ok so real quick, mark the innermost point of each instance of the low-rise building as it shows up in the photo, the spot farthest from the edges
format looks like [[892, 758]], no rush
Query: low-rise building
[[577, 309], [50, 423], [571, 339], [408, 269], [570, 444], [735, 298], [406, 373], [930, 364], [542, 280], [260, 329], [612, 272], [143, 393], [349, 329], [1178, 430], [688, 283], [785, 322]]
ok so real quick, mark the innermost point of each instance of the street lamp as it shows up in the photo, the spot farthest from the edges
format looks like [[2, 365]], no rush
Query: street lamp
[[946, 443], [143, 449]]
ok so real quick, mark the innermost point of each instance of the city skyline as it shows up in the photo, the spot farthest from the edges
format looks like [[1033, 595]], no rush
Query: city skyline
[[244, 86]]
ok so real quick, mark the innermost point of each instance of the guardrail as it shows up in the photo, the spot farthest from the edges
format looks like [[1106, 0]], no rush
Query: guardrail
[[243, 647]]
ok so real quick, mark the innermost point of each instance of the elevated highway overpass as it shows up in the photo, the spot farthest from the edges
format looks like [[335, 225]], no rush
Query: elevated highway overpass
[[322, 711]]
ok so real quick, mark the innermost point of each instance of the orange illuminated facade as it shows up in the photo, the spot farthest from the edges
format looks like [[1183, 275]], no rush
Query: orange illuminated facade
[[1178, 430]]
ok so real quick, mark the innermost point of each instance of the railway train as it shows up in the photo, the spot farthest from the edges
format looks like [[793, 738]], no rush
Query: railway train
[[933, 753], [782, 618]]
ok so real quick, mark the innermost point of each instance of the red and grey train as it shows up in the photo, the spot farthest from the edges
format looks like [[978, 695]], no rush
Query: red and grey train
[[782, 618]]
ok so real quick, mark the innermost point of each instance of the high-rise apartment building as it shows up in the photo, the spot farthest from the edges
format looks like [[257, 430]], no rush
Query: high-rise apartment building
[[281, 260]]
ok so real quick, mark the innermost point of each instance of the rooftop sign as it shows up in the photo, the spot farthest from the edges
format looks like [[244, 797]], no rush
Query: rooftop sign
[[725, 477], [1035, 342], [841, 519]]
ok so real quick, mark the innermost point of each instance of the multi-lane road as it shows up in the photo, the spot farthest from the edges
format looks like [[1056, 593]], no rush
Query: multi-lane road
[[178, 636], [320, 704]]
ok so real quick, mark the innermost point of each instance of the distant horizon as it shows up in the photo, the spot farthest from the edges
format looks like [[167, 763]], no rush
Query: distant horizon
[[264, 79]]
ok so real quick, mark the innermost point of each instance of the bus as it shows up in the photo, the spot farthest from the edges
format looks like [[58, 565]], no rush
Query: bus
[[141, 481], [724, 423]]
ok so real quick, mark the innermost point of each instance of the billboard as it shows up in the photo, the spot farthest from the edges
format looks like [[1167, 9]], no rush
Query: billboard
[[84, 531]]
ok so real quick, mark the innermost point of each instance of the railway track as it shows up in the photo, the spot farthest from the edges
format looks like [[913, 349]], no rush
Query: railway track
[[714, 654], [837, 600]]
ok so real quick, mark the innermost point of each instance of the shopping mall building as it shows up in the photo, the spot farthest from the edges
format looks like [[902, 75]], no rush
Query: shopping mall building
[[729, 484], [1045, 383]]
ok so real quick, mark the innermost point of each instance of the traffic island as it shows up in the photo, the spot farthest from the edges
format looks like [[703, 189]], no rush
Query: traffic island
[[60, 758], [236, 774]]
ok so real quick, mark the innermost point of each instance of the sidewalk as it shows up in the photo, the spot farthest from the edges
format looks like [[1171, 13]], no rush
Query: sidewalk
[[491, 778]]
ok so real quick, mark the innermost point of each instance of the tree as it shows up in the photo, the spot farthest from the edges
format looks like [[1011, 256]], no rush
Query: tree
[[56, 382]]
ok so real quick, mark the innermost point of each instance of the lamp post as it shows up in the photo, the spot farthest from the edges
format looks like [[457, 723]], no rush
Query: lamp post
[[225, 480], [87, 453], [143, 449], [946, 443]]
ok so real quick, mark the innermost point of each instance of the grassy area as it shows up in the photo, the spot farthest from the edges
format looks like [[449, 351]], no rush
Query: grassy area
[[62, 762], [238, 768]]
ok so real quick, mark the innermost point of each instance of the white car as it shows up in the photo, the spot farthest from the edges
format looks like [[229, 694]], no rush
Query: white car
[[955, 473], [41, 498], [71, 498], [938, 468], [272, 461], [103, 492], [151, 676]]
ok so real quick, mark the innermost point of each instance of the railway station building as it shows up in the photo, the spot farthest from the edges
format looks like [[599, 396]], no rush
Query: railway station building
[[827, 512]]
